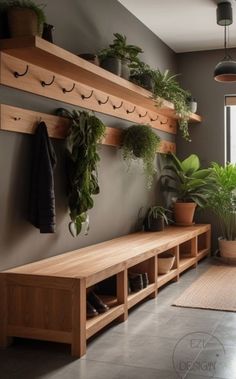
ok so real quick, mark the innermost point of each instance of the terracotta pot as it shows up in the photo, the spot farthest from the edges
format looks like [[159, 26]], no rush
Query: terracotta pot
[[184, 212], [22, 22], [227, 248]]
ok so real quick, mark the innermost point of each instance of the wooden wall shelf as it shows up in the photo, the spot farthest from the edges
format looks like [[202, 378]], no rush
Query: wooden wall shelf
[[45, 55], [24, 121]]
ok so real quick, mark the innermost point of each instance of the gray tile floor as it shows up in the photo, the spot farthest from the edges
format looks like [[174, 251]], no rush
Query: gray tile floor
[[157, 341]]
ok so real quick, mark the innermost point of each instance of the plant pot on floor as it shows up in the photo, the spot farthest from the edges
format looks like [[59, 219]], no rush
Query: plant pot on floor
[[184, 213], [152, 224], [227, 248], [23, 22], [112, 64], [165, 263]]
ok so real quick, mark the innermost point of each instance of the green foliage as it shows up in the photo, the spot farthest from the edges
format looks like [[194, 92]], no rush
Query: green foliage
[[157, 211], [120, 49], [186, 180], [86, 131], [140, 142], [38, 9], [222, 198], [167, 87]]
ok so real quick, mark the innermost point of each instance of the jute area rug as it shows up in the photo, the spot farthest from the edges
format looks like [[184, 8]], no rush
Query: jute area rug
[[215, 289]]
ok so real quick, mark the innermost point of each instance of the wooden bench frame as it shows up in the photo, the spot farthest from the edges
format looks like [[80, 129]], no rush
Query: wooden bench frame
[[46, 300]]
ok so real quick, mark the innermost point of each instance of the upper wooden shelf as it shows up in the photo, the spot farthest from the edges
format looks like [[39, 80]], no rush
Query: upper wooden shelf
[[42, 53]]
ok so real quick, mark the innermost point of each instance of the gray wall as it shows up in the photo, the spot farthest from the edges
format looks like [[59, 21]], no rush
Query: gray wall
[[208, 138], [81, 26]]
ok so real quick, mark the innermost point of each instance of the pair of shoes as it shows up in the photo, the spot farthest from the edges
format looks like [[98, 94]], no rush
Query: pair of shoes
[[95, 305], [138, 281]]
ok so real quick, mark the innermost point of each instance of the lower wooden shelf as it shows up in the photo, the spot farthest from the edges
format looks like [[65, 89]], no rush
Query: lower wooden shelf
[[186, 262], [136, 297], [95, 324], [202, 253], [165, 278]]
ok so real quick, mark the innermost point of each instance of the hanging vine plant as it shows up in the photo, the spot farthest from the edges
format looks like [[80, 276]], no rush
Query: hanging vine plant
[[141, 143], [86, 131]]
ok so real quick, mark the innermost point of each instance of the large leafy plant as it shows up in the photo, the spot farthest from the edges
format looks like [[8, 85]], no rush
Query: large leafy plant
[[222, 198], [141, 143], [186, 180], [167, 87], [86, 131], [120, 49]]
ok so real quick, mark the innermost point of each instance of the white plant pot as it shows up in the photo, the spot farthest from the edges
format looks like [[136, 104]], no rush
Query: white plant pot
[[227, 248]]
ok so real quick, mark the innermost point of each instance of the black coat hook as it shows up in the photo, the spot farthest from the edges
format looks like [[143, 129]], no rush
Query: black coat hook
[[119, 106], [103, 102], [164, 122], [64, 90], [87, 97], [143, 115], [44, 84], [17, 118], [17, 74], [131, 111], [154, 119]]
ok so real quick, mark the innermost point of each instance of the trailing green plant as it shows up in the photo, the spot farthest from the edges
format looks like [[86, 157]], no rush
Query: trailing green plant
[[120, 49], [86, 131], [167, 87], [222, 198], [37, 8], [186, 180], [141, 143]]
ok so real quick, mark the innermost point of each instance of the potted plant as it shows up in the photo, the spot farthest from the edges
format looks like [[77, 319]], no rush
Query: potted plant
[[86, 131], [189, 185], [222, 201], [192, 104], [25, 18], [142, 75], [166, 87], [140, 142], [156, 218], [119, 56]]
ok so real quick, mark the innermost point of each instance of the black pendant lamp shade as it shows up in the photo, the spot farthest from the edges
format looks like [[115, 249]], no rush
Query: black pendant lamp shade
[[225, 70], [224, 14]]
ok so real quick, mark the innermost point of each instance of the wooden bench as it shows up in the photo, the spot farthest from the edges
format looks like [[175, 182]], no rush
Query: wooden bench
[[46, 300]]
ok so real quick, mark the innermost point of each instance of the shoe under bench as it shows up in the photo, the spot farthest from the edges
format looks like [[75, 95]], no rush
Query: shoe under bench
[[46, 300]]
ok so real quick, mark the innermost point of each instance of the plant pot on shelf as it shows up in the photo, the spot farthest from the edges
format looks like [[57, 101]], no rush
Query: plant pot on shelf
[[92, 58], [125, 70], [227, 248], [112, 64], [165, 263], [184, 213], [152, 224], [144, 80], [23, 22], [47, 32], [193, 106]]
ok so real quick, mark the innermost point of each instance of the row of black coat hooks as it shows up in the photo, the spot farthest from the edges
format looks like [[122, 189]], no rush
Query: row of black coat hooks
[[85, 97]]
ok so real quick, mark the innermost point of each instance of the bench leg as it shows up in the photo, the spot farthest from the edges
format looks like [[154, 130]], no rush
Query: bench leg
[[122, 293], [78, 346]]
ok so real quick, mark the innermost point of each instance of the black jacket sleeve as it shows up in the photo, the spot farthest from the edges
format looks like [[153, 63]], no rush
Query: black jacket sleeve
[[42, 197]]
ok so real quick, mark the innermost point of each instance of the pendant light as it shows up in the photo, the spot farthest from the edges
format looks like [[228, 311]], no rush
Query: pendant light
[[225, 70]]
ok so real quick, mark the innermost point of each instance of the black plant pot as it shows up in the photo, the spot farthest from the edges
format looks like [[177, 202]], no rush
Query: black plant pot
[[152, 224], [47, 32], [112, 64], [144, 80], [125, 70]]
